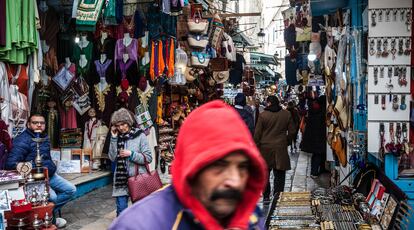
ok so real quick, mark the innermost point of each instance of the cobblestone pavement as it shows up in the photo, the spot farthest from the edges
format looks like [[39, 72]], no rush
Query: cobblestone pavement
[[96, 210]]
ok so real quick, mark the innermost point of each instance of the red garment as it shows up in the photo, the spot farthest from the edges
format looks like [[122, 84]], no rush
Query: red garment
[[19, 72], [210, 133], [68, 118], [4, 135]]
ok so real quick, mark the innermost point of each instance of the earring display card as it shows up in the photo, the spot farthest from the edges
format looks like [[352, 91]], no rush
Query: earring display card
[[389, 71]]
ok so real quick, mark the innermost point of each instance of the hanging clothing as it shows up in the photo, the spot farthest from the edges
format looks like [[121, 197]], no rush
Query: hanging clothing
[[149, 99], [128, 70], [17, 75], [102, 70], [106, 47], [110, 13], [104, 101], [19, 110], [176, 7], [68, 118], [52, 126], [87, 51], [5, 110], [65, 45], [160, 63], [50, 63], [89, 134], [236, 72], [49, 27], [152, 142], [139, 23], [21, 31], [98, 146], [131, 49], [129, 7], [3, 22], [87, 14]]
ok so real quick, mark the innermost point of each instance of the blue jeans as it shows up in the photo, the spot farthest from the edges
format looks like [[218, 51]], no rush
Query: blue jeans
[[121, 204], [61, 190]]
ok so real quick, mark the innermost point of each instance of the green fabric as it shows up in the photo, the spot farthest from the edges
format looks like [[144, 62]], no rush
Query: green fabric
[[88, 50], [21, 35], [109, 13], [87, 14]]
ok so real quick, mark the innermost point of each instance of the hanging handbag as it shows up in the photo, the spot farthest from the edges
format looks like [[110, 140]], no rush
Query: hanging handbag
[[199, 59], [219, 64], [197, 24], [198, 41], [141, 185]]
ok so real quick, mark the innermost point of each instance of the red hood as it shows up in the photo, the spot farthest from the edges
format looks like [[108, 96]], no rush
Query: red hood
[[208, 134]]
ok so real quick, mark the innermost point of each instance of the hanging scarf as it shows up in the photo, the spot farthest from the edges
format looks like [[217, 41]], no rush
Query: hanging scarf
[[121, 175], [170, 59]]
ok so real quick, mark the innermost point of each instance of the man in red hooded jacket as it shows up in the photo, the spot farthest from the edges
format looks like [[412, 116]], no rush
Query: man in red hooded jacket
[[218, 175]]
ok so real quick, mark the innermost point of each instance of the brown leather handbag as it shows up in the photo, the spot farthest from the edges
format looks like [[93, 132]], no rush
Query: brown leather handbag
[[219, 64], [141, 185]]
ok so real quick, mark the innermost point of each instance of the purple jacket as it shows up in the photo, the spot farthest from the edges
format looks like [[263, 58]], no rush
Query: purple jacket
[[162, 210]]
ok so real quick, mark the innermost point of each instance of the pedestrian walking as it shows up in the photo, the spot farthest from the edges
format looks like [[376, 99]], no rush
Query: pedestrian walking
[[247, 116], [129, 149], [274, 130], [291, 107]]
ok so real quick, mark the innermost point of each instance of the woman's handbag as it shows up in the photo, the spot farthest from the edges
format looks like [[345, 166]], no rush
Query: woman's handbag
[[198, 41], [199, 59], [197, 24], [141, 185]]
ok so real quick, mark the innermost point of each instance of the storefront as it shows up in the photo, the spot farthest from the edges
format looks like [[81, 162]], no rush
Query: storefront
[[76, 62]]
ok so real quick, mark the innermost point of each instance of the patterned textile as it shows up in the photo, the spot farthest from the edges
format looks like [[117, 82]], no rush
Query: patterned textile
[[87, 14]]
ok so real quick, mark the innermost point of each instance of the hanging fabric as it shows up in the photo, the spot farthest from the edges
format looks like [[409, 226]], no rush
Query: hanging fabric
[[87, 14]]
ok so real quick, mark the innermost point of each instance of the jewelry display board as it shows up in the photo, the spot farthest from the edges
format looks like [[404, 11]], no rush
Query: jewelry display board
[[389, 56]]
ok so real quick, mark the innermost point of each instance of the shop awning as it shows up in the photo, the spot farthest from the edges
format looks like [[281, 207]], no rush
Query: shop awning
[[261, 58], [241, 40]]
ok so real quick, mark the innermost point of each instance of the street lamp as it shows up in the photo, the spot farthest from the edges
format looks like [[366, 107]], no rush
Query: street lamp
[[261, 36]]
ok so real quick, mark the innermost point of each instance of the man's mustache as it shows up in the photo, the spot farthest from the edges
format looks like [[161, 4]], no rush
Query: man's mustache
[[232, 194]]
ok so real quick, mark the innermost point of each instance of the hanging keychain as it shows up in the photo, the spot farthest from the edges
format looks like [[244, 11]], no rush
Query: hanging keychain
[[387, 15], [379, 44], [390, 146], [395, 104], [394, 13], [383, 102], [375, 75], [372, 47], [373, 16], [381, 150], [407, 47], [408, 20], [405, 138], [380, 15], [402, 12], [399, 148], [385, 48], [403, 76], [393, 50], [376, 99], [400, 46], [382, 72], [403, 106]]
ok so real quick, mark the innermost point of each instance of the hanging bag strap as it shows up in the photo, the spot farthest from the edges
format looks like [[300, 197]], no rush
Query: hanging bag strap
[[146, 166]]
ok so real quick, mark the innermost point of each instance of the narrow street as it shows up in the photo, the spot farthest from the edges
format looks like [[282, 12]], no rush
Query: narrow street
[[96, 210]]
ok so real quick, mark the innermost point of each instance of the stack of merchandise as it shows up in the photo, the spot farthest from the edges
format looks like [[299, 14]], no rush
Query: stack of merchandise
[[293, 211]]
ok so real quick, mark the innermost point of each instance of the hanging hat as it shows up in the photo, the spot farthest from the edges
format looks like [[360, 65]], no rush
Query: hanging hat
[[221, 76]]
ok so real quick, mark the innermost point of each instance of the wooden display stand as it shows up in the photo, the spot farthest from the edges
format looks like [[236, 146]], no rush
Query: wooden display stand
[[13, 218]]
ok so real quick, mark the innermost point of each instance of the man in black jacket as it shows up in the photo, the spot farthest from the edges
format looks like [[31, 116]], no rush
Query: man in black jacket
[[24, 150], [239, 105]]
